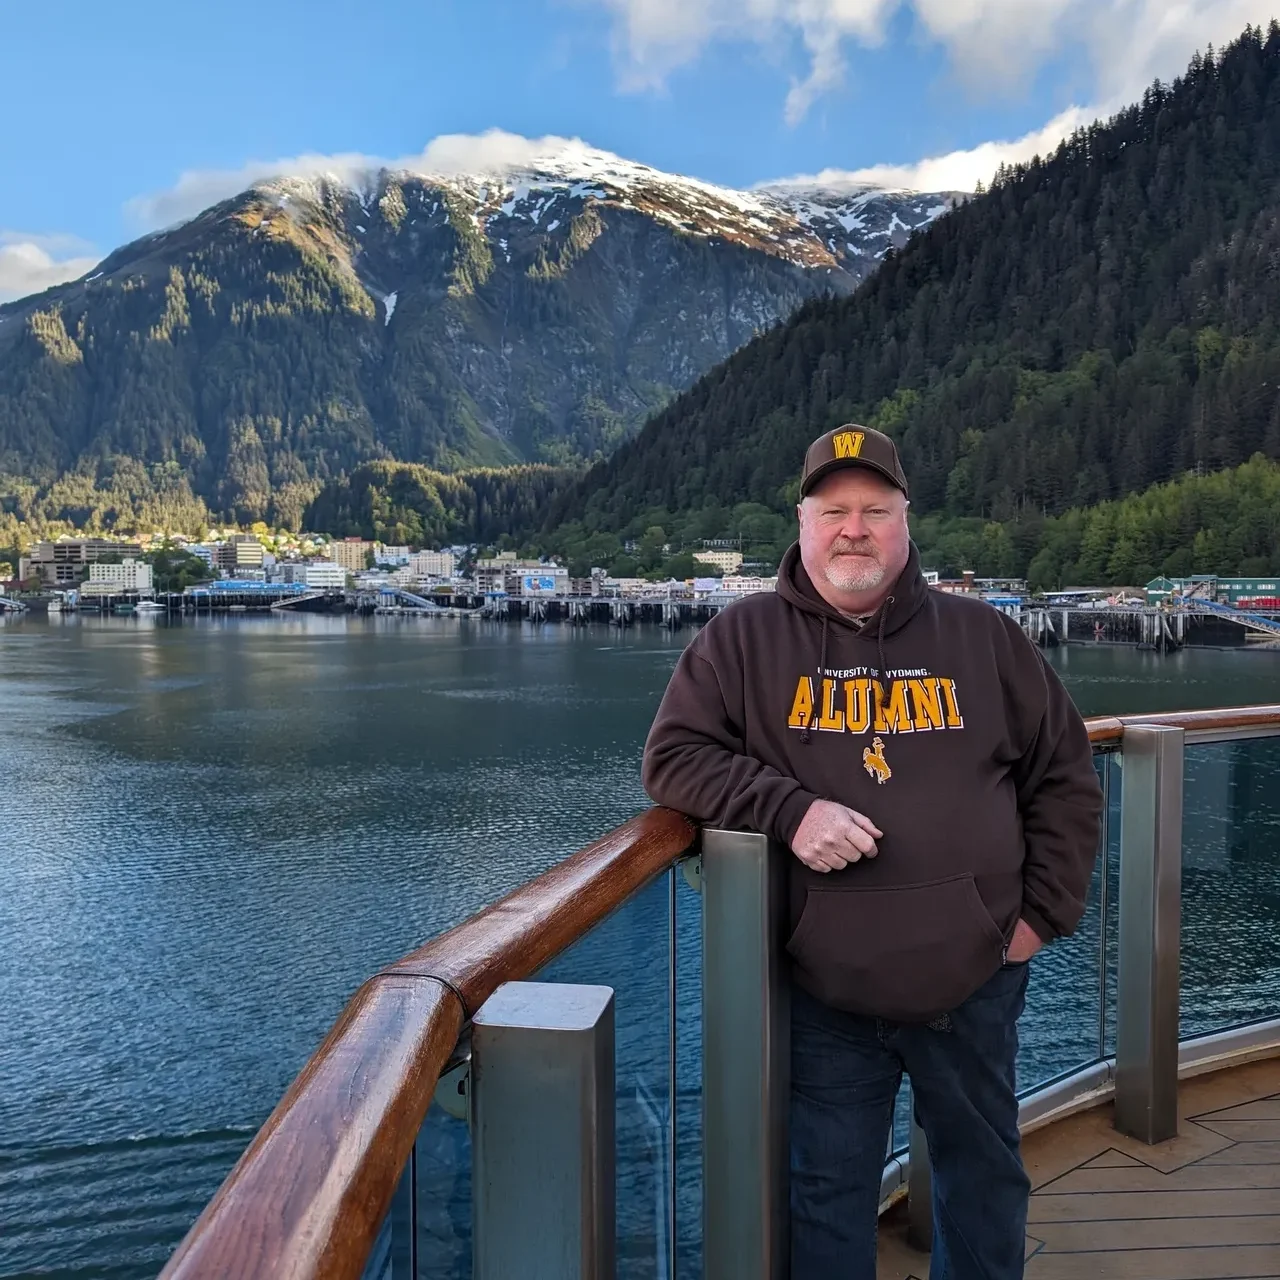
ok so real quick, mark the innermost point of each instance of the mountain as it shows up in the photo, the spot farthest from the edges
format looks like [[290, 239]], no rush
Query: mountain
[[1099, 321], [308, 325]]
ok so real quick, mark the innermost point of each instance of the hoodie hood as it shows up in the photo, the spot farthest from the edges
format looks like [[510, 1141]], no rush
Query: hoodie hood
[[906, 598]]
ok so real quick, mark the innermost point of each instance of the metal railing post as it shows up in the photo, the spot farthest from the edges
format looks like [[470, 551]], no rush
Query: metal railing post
[[542, 1133], [1150, 933], [746, 1066]]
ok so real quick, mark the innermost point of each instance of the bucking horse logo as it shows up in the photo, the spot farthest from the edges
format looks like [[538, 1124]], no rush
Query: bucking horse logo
[[874, 763]]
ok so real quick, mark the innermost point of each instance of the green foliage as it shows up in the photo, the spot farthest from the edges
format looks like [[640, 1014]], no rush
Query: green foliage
[[1102, 320], [253, 346], [403, 503], [110, 496], [175, 569], [472, 257], [1226, 522]]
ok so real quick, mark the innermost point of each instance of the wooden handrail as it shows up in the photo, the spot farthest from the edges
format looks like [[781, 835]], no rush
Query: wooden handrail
[[1109, 730], [307, 1198], [309, 1194]]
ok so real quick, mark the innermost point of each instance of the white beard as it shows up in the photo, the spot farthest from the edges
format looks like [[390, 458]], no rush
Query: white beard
[[854, 575]]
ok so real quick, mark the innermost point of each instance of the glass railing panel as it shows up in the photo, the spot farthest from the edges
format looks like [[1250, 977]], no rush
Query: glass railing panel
[[1230, 885], [1062, 1028], [631, 952], [900, 1132], [1112, 773], [440, 1185], [688, 1142], [392, 1255]]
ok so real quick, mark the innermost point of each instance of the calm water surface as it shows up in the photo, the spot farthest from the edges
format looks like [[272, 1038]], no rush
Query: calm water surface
[[210, 834]]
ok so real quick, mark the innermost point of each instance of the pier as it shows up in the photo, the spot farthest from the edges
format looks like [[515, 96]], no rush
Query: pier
[[1163, 628]]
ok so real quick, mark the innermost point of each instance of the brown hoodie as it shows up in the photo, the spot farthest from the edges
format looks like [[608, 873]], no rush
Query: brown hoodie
[[970, 757]]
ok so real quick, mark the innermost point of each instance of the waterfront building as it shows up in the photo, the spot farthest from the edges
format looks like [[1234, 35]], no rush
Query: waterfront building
[[323, 575], [962, 585], [1244, 592], [432, 564], [542, 580], [747, 586], [131, 577], [66, 561]]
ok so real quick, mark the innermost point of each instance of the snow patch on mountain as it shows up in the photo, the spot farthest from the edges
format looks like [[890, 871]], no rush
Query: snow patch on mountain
[[825, 223]]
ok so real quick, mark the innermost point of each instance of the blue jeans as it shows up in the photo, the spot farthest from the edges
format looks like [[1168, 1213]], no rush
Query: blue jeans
[[845, 1073]]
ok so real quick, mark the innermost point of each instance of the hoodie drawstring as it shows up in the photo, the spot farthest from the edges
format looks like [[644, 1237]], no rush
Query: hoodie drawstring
[[819, 696], [884, 666]]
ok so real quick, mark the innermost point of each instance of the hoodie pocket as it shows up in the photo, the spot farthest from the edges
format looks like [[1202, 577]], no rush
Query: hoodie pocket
[[907, 953]]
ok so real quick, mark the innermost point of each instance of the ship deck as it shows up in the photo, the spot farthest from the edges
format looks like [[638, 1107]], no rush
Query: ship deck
[[1202, 1206]]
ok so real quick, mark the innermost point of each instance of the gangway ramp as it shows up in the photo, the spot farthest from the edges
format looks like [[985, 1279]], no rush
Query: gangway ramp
[[1251, 621], [290, 601], [417, 602]]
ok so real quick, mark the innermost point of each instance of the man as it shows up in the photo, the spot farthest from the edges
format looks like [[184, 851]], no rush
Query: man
[[936, 786]]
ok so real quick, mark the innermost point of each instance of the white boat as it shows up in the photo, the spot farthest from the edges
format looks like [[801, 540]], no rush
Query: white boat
[[148, 606]]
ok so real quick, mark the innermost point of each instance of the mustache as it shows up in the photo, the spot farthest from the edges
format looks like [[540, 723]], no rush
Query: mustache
[[846, 546]]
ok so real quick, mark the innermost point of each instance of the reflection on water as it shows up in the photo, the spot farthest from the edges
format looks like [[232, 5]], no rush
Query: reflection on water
[[211, 833]]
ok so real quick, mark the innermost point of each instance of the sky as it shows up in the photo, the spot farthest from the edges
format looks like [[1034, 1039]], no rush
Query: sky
[[126, 116]]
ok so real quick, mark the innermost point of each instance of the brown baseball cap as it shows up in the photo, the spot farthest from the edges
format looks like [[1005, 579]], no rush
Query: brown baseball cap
[[852, 446]]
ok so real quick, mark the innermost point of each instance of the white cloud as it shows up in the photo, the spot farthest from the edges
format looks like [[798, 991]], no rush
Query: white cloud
[[957, 171], [31, 263], [996, 44], [493, 150]]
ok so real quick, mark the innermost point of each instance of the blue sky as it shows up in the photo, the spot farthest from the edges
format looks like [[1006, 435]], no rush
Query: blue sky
[[109, 104]]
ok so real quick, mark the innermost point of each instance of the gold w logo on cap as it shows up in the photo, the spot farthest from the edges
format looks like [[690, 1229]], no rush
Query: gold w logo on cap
[[848, 444]]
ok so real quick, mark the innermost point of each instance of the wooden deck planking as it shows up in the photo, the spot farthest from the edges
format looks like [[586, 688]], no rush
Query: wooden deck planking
[[1203, 1206]]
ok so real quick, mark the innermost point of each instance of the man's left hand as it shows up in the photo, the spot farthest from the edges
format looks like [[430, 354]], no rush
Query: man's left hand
[[1026, 942]]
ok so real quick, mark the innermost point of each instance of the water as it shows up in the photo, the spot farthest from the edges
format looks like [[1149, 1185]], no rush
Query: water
[[210, 834]]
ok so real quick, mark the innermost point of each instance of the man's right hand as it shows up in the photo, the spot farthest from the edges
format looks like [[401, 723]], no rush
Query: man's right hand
[[830, 837]]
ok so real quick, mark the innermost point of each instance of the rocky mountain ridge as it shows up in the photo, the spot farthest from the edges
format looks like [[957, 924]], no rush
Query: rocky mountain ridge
[[311, 323]]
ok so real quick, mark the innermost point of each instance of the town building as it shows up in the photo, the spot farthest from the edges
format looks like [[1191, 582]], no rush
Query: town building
[[351, 553], [747, 586], [725, 561], [506, 572], [432, 564], [958, 586], [66, 561], [1244, 593], [243, 551], [395, 557], [323, 575], [536, 580], [130, 577]]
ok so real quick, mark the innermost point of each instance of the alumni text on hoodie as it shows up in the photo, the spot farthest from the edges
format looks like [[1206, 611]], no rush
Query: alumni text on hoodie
[[965, 750]]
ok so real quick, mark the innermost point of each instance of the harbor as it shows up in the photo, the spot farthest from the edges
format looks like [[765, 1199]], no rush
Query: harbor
[[309, 795], [1164, 628]]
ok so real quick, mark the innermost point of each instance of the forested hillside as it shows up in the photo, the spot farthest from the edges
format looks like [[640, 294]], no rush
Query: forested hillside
[[407, 503], [1100, 321], [307, 326]]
